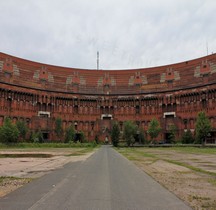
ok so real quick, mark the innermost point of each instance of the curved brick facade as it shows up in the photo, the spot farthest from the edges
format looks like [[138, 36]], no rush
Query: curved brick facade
[[91, 99]]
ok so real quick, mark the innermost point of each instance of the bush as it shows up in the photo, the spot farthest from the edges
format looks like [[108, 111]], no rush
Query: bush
[[203, 128], [70, 134], [130, 130], [172, 134], [141, 136], [154, 129], [83, 137], [187, 137], [23, 129], [39, 137], [9, 132], [33, 137], [96, 139]]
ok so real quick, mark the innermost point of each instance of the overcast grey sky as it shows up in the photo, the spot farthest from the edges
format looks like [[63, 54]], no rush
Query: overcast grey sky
[[128, 33]]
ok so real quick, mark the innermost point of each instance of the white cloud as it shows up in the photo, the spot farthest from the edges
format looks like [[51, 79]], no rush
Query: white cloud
[[128, 34]]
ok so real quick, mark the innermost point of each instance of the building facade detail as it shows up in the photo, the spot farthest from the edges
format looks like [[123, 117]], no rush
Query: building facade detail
[[92, 99]]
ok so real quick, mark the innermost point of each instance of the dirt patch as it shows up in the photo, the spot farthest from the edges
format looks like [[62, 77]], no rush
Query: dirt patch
[[191, 187], [25, 155], [196, 189]]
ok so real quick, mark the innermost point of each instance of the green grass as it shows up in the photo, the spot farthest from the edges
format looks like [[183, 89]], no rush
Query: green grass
[[8, 178], [49, 145], [193, 150], [134, 154], [145, 154], [190, 150], [81, 152], [127, 151], [2, 178], [212, 181]]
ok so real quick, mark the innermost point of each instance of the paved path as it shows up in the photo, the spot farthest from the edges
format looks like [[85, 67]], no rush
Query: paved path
[[105, 181]]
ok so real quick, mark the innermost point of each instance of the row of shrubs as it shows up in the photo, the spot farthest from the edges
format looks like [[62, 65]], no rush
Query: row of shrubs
[[132, 133], [13, 133]]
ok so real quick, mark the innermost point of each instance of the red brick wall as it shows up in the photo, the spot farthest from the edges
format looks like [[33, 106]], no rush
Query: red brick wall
[[174, 94]]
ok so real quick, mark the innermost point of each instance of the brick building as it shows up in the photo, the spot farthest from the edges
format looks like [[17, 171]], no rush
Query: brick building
[[91, 99]]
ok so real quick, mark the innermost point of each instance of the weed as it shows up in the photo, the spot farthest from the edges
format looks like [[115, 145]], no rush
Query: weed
[[212, 181], [8, 178]]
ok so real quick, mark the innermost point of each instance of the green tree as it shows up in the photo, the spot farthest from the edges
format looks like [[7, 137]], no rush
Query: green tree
[[39, 136], [23, 128], [202, 128], [33, 137], [130, 130], [115, 134], [9, 132], [172, 134], [96, 139], [58, 128], [154, 129], [70, 134], [141, 136], [187, 137], [36, 137], [83, 137]]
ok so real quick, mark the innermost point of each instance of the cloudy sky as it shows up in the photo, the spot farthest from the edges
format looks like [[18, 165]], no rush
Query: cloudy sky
[[128, 33]]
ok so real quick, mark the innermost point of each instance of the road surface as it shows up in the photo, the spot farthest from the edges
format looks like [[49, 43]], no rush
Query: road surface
[[105, 181]]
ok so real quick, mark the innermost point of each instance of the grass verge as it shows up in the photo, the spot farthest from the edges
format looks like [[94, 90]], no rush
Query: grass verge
[[133, 154], [81, 152], [192, 150], [49, 145]]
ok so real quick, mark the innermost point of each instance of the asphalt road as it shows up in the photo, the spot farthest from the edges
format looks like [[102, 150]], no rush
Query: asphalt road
[[105, 181]]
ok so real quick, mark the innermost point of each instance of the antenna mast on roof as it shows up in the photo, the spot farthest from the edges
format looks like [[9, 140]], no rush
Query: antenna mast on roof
[[207, 47], [97, 60]]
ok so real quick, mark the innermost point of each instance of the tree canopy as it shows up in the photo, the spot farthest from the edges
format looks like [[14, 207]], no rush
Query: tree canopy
[[9, 132], [69, 134], [130, 130], [58, 128], [154, 129], [187, 137], [115, 133], [141, 136], [202, 128], [23, 128], [172, 135]]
